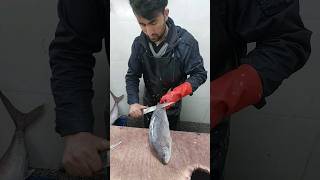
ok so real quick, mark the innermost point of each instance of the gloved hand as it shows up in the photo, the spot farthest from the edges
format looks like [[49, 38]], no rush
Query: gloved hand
[[177, 93], [234, 91]]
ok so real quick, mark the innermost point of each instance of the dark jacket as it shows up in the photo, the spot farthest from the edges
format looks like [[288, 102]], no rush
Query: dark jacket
[[81, 29], [282, 48], [184, 46], [282, 41]]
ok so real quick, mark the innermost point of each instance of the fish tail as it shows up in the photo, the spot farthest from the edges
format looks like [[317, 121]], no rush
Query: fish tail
[[20, 119], [115, 98]]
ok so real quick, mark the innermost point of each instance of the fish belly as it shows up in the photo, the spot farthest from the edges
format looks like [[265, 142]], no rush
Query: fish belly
[[159, 134], [13, 165]]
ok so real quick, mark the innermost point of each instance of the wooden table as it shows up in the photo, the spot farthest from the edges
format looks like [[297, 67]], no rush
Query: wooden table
[[133, 158]]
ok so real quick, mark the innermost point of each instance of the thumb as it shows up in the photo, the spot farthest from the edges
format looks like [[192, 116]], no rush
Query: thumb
[[162, 100], [103, 145], [143, 107]]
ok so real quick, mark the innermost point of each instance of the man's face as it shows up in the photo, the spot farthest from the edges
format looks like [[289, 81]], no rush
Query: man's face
[[155, 27]]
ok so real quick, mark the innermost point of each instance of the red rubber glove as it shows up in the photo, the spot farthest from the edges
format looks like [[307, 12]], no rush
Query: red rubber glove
[[234, 91], [177, 93]]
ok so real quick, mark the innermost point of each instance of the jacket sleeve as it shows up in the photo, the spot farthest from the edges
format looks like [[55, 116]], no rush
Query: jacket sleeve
[[78, 35], [193, 66], [134, 74], [282, 41]]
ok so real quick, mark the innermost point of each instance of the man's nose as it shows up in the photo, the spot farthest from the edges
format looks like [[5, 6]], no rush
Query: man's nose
[[149, 30]]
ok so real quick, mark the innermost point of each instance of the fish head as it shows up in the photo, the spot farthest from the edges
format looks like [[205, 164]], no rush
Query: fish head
[[165, 155]]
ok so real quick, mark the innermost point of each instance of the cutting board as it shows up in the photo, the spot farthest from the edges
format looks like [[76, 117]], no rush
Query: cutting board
[[135, 159]]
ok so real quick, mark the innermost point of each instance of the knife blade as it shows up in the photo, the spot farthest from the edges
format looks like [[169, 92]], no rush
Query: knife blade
[[115, 145], [152, 108]]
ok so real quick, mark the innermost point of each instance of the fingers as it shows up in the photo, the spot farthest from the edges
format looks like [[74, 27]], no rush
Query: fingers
[[103, 145], [162, 100], [81, 155], [95, 162], [140, 108], [94, 159], [76, 165], [165, 99], [71, 170], [136, 110], [84, 167], [136, 114]]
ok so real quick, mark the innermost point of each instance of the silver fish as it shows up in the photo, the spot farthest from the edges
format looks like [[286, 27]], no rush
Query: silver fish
[[159, 135], [114, 114], [14, 163]]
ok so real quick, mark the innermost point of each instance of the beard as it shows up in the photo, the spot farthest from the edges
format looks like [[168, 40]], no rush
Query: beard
[[155, 37], [158, 37]]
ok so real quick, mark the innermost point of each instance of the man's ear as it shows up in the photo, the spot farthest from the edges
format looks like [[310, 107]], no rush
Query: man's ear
[[166, 14]]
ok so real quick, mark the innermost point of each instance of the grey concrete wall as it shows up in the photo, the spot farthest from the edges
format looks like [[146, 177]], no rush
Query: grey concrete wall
[[282, 140], [26, 29], [124, 28]]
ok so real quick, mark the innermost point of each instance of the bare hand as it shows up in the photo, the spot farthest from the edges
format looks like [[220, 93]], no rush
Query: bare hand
[[81, 153], [135, 110]]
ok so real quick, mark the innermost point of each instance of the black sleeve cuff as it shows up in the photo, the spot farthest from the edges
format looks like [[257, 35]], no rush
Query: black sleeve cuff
[[68, 123]]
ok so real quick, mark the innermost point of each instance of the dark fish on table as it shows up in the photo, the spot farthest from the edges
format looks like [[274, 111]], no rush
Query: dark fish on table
[[14, 163], [159, 135]]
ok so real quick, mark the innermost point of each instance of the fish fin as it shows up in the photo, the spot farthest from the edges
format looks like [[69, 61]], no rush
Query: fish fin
[[12, 110], [21, 120], [115, 98], [119, 98], [33, 115]]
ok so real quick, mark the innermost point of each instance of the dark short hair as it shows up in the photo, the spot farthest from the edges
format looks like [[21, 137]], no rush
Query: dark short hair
[[148, 8]]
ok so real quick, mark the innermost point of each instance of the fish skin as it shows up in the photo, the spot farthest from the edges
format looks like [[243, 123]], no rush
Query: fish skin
[[114, 113], [14, 163], [159, 135]]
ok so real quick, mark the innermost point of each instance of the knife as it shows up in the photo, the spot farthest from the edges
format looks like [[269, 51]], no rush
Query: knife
[[115, 145], [152, 108]]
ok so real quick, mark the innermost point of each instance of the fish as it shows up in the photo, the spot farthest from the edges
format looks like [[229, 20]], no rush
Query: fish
[[14, 162], [114, 113], [159, 135]]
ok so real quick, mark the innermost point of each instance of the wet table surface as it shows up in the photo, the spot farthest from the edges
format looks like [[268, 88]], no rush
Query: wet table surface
[[135, 159]]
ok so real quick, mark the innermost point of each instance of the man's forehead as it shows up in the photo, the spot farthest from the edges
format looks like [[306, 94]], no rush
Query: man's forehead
[[145, 20]]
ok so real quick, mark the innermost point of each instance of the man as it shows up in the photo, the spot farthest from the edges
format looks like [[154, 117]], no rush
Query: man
[[239, 79], [165, 54], [83, 24]]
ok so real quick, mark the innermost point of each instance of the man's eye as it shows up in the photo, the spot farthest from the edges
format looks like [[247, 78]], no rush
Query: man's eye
[[153, 23]]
